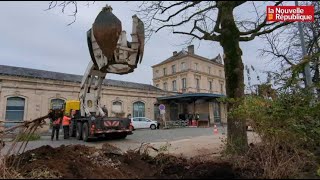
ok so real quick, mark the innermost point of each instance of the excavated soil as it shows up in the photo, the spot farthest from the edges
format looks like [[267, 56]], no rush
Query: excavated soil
[[79, 162]]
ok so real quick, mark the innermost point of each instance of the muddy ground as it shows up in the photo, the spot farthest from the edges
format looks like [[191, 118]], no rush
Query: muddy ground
[[79, 161]]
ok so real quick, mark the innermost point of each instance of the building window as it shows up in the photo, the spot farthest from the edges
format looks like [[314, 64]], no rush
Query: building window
[[220, 73], [173, 69], [198, 84], [117, 107], [209, 70], [184, 84], [157, 85], [196, 66], [210, 86], [165, 86], [56, 103], [14, 110], [183, 66], [164, 71], [138, 109], [174, 85]]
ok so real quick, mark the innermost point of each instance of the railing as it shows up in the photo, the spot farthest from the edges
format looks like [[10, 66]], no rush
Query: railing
[[176, 124]]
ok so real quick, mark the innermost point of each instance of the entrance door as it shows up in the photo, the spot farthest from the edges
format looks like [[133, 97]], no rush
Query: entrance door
[[174, 112], [216, 112]]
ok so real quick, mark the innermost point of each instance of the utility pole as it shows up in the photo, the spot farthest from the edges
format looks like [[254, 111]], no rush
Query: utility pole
[[307, 74]]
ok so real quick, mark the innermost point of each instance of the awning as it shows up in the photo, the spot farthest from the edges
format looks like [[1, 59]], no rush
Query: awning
[[191, 96]]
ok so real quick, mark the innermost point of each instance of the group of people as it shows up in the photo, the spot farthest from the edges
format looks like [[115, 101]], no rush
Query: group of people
[[189, 117], [58, 118]]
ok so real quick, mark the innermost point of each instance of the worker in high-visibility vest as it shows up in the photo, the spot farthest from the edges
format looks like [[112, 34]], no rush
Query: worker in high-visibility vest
[[66, 123], [56, 123]]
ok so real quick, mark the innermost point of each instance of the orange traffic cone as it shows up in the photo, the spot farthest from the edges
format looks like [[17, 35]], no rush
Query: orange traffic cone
[[215, 129]]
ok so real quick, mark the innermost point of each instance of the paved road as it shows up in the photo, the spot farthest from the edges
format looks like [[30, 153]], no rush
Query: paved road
[[132, 141]]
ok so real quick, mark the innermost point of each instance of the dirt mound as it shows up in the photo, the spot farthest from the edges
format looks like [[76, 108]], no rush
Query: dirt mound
[[79, 161]]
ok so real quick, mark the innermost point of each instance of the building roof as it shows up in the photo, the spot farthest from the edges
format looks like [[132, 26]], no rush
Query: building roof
[[191, 96], [42, 74], [217, 60]]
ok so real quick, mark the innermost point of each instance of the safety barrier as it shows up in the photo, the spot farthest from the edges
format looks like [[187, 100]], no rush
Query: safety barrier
[[176, 124]]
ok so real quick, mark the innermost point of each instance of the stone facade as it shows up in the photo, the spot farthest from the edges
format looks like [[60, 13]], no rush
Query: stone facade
[[185, 73], [38, 94], [36, 90], [192, 67]]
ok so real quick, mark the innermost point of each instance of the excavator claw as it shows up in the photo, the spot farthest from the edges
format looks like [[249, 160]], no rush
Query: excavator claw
[[110, 52]]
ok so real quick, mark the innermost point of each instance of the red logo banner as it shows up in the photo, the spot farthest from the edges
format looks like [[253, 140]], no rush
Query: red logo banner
[[290, 13]]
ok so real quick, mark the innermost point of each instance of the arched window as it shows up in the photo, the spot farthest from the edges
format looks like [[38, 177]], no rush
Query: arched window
[[56, 103], [14, 110], [138, 109], [117, 107]]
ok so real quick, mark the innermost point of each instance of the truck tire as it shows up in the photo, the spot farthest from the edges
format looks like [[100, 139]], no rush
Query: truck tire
[[79, 131], [120, 136], [72, 129], [153, 127], [123, 136], [85, 132]]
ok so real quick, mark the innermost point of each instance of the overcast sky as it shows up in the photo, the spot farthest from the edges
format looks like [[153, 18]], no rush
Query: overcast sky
[[34, 38]]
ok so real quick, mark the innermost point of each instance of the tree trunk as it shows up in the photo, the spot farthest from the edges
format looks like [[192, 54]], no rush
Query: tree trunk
[[237, 141]]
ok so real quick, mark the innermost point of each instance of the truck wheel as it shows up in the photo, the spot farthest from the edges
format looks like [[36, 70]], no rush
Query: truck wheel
[[79, 131], [85, 132], [153, 127], [122, 136]]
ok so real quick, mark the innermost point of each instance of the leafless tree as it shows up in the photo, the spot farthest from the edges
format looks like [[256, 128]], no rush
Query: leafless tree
[[65, 4], [215, 21], [285, 48]]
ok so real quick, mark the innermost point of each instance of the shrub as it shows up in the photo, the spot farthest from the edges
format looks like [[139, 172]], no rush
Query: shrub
[[289, 128]]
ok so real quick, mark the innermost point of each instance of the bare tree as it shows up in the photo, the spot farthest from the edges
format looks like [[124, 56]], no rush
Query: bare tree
[[285, 48], [65, 4], [215, 21]]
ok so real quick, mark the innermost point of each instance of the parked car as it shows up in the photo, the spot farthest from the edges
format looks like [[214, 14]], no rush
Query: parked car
[[143, 123]]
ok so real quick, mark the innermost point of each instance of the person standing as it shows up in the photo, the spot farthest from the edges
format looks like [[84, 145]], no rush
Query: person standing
[[56, 123], [105, 110], [65, 124], [129, 116]]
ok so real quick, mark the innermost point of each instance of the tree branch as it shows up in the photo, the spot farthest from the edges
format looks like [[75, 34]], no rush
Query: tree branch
[[187, 20], [186, 33], [260, 26], [253, 35], [176, 4], [171, 16], [238, 3]]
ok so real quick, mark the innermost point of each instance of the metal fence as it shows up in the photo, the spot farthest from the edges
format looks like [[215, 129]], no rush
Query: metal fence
[[176, 124]]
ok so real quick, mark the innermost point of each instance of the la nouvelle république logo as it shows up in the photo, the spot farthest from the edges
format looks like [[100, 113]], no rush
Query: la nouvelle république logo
[[290, 13]]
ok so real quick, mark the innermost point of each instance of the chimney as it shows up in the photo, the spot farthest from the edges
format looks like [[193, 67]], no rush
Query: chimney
[[191, 49], [175, 53]]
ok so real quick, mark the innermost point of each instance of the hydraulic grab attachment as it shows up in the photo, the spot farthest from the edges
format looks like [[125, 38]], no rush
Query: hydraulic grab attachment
[[110, 53]]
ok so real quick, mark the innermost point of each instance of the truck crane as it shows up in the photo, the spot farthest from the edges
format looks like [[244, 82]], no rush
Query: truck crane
[[110, 52]]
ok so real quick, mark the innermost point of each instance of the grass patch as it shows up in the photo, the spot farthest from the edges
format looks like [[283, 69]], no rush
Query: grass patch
[[26, 137]]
